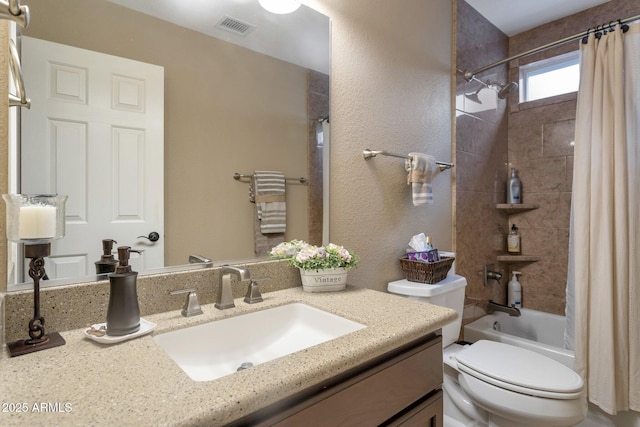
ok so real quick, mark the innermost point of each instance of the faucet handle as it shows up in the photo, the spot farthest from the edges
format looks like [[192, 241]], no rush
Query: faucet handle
[[253, 293], [191, 305]]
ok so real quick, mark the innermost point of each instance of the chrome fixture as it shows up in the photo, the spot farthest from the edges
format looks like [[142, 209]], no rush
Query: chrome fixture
[[199, 259], [13, 11], [369, 154], [191, 305], [503, 90], [224, 296], [494, 306], [490, 274], [253, 293]]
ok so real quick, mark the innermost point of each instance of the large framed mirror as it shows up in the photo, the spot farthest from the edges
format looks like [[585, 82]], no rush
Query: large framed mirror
[[235, 100]]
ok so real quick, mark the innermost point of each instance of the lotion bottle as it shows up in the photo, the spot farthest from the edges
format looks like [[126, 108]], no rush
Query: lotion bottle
[[514, 188], [514, 289]]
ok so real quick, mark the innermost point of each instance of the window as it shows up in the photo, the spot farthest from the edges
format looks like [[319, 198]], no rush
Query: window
[[550, 77]]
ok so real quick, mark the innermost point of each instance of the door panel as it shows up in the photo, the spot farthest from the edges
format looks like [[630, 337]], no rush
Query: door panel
[[95, 132]]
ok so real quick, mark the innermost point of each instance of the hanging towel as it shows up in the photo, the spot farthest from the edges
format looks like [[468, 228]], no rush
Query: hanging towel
[[271, 208], [421, 168]]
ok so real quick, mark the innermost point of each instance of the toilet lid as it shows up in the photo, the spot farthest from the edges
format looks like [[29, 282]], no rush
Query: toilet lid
[[519, 370]]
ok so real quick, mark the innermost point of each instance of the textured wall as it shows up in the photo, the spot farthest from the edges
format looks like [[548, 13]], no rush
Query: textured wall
[[390, 90]]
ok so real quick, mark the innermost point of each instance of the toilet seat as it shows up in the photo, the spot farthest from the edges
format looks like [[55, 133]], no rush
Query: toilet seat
[[519, 370]]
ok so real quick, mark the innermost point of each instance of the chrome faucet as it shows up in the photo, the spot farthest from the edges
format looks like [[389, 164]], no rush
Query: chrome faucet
[[224, 296], [199, 259], [490, 274], [494, 306]]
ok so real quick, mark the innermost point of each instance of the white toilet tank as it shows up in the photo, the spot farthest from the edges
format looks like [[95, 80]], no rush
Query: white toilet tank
[[446, 293]]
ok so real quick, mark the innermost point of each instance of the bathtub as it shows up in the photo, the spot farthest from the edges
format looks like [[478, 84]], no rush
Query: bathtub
[[534, 330]]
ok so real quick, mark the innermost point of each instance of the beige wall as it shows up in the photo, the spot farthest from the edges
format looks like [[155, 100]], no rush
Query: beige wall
[[227, 109], [390, 90]]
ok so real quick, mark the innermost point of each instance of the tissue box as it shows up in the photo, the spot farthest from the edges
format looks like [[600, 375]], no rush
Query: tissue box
[[426, 256], [426, 272]]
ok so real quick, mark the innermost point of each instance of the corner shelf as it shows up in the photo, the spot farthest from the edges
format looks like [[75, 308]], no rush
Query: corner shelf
[[516, 207], [518, 258], [510, 209]]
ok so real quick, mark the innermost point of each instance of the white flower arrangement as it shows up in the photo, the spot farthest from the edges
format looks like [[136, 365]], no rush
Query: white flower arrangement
[[310, 257]]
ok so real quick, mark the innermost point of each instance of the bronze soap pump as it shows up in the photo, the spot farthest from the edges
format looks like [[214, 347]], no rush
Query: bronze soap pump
[[123, 313], [107, 262]]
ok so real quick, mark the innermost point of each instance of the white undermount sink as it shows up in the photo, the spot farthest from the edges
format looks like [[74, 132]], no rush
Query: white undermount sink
[[215, 349]]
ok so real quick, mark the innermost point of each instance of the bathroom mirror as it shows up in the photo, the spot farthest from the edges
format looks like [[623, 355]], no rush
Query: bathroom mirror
[[227, 108]]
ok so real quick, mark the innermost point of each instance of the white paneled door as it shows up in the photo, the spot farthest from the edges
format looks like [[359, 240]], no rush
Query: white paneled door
[[95, 132]]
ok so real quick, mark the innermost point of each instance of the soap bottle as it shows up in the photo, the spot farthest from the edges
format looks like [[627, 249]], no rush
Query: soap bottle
[[514, 289], [107, 262], [429, 246], [513, 240], [123, 313], [514, 188]]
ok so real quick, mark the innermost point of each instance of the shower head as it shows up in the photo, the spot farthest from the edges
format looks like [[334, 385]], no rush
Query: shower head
[[506, 89], [503, 90]]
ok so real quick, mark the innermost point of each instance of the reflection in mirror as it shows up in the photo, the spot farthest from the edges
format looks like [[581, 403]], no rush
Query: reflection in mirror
[[227, 109]]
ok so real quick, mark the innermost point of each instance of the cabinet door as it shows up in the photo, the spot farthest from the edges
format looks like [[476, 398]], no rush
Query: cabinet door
[[427, 414], [377, 395]]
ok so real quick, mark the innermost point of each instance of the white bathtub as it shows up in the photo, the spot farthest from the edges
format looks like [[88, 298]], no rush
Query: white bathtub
[[534, 330]]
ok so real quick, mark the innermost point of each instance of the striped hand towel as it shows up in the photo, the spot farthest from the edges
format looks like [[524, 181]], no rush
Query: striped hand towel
[[271, 207], [421, 168]]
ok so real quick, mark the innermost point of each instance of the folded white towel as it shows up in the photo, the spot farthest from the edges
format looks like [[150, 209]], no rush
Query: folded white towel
[[271, 208], [421, 168]]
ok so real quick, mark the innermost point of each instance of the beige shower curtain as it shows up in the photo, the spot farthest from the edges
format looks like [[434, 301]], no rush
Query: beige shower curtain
[[606, 209]]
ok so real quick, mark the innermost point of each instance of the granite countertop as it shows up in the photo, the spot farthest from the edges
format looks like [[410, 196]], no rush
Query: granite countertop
[[136, 383]]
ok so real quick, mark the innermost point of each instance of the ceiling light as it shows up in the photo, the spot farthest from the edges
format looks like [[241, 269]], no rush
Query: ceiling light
[[280, 6]]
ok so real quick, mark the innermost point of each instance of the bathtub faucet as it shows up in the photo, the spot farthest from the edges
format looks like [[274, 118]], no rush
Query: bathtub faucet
[[494, 306]]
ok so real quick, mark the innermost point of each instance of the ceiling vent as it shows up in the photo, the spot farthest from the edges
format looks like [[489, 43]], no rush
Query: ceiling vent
[[235, 26]]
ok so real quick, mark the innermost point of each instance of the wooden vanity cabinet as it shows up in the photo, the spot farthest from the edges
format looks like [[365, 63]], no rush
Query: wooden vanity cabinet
[[401, 388]]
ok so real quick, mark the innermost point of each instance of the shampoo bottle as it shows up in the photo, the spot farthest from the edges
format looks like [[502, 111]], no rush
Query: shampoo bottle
[[514, 289], [123, 312], [513, 240], [514, 188]]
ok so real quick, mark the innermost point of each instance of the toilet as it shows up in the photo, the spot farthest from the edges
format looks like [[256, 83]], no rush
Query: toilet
[[489, 383]]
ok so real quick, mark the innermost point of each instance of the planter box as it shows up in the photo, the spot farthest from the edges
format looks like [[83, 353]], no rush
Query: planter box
[[326, 280]]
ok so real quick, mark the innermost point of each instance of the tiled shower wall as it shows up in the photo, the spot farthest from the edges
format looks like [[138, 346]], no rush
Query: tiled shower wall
[[481, 153], [317, 109], [539, 146], [540, 136]]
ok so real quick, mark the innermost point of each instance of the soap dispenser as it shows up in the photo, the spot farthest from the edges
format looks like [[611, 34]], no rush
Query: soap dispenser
[[123, 313], [107, 262], [514, 289]]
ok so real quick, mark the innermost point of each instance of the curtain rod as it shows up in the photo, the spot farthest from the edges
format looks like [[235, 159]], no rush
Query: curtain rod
[[469, 75]]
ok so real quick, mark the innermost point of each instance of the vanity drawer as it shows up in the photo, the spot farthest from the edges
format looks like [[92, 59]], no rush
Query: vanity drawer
[[377, 394]]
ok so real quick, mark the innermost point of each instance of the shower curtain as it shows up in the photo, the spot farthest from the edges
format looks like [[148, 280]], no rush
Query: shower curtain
[[606, 221]]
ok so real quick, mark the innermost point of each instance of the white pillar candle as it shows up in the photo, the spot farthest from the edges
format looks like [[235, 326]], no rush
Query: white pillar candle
[[37, 222]]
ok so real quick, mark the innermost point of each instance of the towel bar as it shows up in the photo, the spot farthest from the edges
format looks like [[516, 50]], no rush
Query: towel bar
[[238, 176], [369, 154]]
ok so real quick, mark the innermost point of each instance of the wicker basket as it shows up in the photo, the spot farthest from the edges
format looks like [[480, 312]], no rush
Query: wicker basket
[[426, 272]]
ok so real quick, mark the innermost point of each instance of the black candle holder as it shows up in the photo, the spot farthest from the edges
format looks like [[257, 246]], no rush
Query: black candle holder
[[38, 339]]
